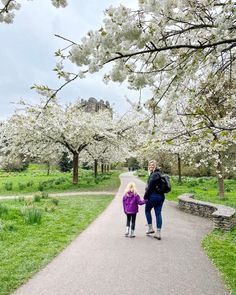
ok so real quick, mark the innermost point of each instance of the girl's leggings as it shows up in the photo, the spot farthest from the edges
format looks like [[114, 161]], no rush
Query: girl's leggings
[[132, 218], [155, 201]]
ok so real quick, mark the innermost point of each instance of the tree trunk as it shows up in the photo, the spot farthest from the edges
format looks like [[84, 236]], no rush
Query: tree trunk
[[221, 186], [95, 168], [102, 167], [108, 168], [48, 168], [75, 168], [179, 169]]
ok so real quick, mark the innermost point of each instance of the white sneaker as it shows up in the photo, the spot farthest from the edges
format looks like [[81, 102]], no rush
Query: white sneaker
[[132, 235], [127, 231], [150, 230], [157, 234]]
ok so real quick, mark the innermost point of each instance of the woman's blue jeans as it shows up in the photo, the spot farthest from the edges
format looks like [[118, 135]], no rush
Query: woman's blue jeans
[[155, 201]]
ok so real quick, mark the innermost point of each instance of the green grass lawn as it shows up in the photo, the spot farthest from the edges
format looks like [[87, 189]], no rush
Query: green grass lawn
[[203, 188], [219, 246], [36, 179], [26, 248]]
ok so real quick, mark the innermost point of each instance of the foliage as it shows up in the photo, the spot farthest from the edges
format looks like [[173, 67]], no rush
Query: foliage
[[32, 215]]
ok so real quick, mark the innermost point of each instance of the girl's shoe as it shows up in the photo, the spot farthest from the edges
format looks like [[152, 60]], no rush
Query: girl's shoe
[[150, 230], [132, 235], [157, 234], [127, 231]]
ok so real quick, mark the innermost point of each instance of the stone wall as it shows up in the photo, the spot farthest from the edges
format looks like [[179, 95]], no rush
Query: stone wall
[[222, 216]]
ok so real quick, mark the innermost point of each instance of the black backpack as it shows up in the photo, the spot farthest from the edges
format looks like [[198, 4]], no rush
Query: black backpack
[[165, 186]]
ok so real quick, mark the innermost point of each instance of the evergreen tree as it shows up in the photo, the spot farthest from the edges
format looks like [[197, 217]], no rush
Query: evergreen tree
[[65, 163]]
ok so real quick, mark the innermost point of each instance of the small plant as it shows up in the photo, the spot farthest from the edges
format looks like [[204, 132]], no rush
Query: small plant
[[7, 226], [28, 202], [204, 188], [3, 210], [30, 183], [21, 199], [228, 189], [21, 186], [55, 201], [50, 208], [41, 186], [44, 195], [37, 198], [32, 215], [8, 185]]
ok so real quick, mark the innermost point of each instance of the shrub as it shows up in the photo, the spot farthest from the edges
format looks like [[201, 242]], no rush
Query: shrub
[[32, 215], [8, 185]]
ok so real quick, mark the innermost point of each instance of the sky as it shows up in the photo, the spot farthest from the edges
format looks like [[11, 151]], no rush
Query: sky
[[27, 53]]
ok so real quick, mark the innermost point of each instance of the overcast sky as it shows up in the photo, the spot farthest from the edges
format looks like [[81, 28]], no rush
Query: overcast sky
[[28, 46]]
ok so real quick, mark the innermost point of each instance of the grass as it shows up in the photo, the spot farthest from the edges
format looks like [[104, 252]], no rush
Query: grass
[[221, 248], [203, 188], [33, 180], [26, 248]]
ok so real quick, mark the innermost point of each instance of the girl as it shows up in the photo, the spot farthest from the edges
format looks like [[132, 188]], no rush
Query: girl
[[131, 200]]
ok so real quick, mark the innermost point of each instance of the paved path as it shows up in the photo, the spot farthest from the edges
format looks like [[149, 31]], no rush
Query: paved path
[[102, 261]]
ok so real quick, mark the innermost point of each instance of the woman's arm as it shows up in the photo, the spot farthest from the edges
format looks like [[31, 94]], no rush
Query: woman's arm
[[152, 184]]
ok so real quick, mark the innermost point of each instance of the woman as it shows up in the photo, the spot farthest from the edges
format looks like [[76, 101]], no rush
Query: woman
[[155, 199]]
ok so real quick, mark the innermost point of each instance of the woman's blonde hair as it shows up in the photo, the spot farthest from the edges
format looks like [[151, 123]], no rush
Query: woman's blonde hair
[[153, 162], [131, 187]]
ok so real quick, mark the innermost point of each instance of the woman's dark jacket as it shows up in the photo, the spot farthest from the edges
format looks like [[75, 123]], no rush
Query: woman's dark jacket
[[153, 182]]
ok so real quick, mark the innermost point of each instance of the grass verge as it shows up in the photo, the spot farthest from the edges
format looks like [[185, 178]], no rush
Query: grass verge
[[26, 248], [30, 181], [221, 248]]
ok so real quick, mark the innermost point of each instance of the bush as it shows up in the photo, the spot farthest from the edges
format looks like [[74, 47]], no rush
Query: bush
[[16, 165], [32, 215]]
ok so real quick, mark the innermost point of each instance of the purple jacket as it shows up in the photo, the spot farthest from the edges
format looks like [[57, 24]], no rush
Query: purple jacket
[[131, 202]]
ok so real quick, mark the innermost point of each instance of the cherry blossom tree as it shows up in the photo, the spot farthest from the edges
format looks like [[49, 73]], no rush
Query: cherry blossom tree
[[39, 130], [9, 7]]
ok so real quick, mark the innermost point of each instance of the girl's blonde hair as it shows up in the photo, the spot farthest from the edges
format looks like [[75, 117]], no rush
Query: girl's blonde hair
[[131, 187]]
